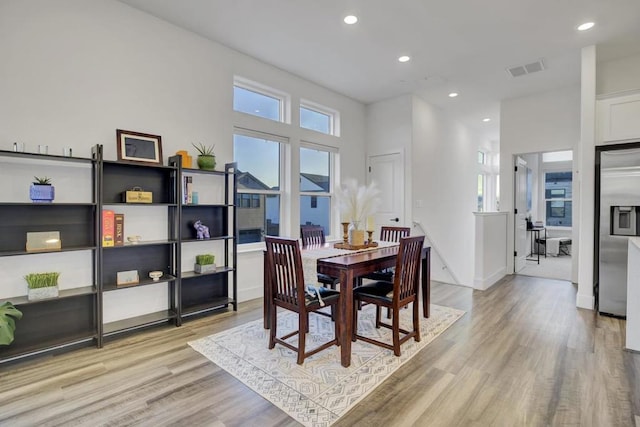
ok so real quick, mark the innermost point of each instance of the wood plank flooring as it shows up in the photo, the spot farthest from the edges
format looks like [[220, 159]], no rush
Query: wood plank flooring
[[522, 355]]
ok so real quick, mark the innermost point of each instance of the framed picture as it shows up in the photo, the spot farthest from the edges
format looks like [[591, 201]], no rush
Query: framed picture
[[136, 147]]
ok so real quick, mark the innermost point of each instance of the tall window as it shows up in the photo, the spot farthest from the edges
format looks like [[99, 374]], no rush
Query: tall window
[[258, 100], [319, 118], [482, 158], [259, 194], [481, 191], [558, 194], [316, 187]]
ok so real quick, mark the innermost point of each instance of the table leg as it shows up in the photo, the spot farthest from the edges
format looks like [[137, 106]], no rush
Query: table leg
[[426, 283], [346, 316]]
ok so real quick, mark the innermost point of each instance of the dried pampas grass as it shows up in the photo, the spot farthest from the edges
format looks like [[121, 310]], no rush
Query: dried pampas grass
[[356, 203]]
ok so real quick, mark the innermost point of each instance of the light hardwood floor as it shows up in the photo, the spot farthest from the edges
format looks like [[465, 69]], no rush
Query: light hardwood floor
[[522, 355]]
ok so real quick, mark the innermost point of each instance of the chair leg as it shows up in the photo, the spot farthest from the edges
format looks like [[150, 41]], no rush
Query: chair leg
[[336, 324], [303, 325], [416, 320], [378, 310], [274, 326], [396, 332], [355, 320]]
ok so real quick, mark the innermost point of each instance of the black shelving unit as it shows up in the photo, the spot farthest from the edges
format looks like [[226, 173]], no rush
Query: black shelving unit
[[201, 294], [71, 319], [76, 316], [144, 256]]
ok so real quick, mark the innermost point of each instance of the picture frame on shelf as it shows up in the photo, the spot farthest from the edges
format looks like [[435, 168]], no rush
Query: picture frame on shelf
[[127, 278], [137, 147]]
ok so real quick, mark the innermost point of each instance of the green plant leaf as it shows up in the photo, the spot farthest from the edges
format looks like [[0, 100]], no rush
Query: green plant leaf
[[8, 316]]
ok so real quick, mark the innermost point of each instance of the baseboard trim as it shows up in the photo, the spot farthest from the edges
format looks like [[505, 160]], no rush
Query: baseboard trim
[[484, 284], [585, 301], [249, 294]]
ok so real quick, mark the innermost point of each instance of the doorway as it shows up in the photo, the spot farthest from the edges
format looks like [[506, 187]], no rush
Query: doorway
[[543, 224], [387, 172]]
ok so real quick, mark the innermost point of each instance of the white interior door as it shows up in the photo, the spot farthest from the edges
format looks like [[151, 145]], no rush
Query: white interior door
[[520, 218], [387, 172]]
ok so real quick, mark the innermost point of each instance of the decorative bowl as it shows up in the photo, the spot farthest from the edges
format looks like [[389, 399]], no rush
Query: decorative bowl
[[155, 275]]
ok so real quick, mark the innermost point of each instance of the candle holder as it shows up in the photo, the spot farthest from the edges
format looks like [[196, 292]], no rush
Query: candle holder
[[345, 232], [370, 233]]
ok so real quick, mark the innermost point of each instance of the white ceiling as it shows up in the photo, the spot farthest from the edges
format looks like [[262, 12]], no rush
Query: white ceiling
[[455, 45]]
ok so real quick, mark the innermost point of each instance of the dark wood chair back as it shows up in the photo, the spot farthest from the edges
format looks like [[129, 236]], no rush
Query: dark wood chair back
[[393, 296], [406, 280], [284, 263], [312, 235], [287, 289], [393, 234]]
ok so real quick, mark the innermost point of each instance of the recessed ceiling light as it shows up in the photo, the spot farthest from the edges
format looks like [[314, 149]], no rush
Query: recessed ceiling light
[[586, 26], [404, 58], [453, 94], [350, 19], [486, 119]]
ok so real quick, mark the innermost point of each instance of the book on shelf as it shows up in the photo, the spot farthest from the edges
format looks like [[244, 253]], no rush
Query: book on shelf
[[108, 228], [187, 190], [119, 229]]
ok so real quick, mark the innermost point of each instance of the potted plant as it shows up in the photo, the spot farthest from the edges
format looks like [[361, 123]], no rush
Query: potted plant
[[206, 156], [42, 285], [8, 316], [41, 190], [205, 263]]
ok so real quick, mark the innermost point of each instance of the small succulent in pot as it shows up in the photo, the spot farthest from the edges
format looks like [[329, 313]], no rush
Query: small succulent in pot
[[206, 156], [45, 180], [41, 191]]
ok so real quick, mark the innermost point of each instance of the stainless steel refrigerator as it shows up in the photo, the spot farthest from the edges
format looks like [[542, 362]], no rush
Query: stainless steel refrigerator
[[619, 209]]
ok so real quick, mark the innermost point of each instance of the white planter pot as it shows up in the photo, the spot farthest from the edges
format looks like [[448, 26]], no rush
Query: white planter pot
[[43, 293], [208, 268]]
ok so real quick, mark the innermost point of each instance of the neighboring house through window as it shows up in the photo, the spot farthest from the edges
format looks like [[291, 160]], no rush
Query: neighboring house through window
[[316, 186]]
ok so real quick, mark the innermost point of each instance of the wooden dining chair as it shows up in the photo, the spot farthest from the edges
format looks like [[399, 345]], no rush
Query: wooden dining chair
[[288, 291], [313, 235], [388, 234], [393, 295]]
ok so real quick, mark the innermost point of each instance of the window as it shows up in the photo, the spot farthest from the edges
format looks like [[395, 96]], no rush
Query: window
[[316, 165], [557, 156], [259, 195], [558, 193], [258, 100], [316, 117], [482, 158], [481, 186]]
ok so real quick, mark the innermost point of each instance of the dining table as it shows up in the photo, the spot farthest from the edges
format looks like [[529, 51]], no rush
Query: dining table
[[348, 266]]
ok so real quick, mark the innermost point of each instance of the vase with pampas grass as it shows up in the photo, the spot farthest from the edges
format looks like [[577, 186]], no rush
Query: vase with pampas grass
[[356, 203]]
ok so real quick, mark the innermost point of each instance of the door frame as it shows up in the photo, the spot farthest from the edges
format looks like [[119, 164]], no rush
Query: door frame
[[405, 175]]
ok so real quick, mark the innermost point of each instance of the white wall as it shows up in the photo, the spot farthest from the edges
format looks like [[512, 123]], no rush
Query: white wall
[[490, 248], [548, 121], [74, 71], [389, 130], [444, 161], [430, 142]]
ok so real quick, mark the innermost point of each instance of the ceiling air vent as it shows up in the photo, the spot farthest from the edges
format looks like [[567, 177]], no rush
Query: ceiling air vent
[[521, 70]]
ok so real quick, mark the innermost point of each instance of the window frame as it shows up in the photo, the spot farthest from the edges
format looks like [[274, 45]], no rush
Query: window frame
[[283, 158], [283, 98], [546, 199], [332, 182], [334, 116]]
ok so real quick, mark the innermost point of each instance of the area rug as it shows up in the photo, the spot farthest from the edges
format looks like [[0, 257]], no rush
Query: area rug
[[319, 391]]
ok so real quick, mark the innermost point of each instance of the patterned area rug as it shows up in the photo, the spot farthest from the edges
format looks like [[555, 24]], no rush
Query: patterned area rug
[[320, 391]]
